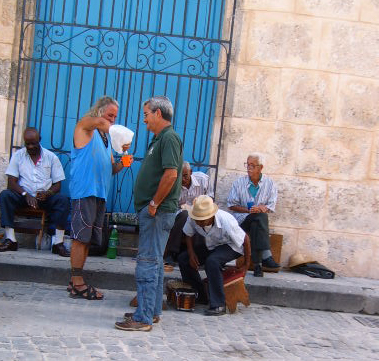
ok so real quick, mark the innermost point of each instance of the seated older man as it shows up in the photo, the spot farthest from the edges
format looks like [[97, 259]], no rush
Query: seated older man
[[34, 179], [224, 241], [251, 198], [194, 184]]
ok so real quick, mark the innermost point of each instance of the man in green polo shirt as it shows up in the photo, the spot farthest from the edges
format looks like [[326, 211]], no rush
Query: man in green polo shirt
[[156, 195]]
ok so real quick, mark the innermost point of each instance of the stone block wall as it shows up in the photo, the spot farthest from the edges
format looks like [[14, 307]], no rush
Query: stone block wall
[[10, 20], [304, 91], [8, 65]]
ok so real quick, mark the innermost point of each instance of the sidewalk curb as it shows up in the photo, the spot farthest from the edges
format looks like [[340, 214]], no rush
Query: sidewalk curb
[[283, 289]]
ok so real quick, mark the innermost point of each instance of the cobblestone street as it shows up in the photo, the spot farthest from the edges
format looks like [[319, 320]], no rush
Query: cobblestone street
[[40, 322]]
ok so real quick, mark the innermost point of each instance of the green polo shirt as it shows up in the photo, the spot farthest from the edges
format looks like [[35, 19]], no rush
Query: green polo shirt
[[165, 152]]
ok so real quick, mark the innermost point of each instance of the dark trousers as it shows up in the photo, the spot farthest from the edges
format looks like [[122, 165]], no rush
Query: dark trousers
[[57, 207], [213, 262], [175, 240], [256, 226]]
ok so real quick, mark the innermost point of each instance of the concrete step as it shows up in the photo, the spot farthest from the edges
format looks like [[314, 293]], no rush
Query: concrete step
[[280, 289]]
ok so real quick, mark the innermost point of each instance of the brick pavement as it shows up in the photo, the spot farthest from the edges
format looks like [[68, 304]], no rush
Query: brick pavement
[[40, 322]]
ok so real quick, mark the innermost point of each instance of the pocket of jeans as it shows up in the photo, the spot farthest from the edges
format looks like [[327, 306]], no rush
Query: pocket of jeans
[[146, 269], [168, 221]]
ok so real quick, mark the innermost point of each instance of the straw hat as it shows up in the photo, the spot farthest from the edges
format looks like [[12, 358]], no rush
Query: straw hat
[[297, 259], [203, 208]]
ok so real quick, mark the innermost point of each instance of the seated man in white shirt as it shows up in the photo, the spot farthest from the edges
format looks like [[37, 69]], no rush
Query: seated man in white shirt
[[251, 198], [194, 184], [34, 179], [224, 241]]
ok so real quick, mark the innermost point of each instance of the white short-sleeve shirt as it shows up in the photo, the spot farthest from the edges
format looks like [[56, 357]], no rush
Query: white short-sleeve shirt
[[35, 177], [225, 230]]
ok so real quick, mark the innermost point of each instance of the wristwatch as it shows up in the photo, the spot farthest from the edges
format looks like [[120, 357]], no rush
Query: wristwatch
[[153, 204], [24, 193]]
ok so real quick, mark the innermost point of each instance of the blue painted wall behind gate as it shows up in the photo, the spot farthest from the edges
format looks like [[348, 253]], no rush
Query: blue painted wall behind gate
[[129, 50]]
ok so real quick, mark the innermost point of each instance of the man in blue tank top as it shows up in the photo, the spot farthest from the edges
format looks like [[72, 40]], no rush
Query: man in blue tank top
[[92, 166]]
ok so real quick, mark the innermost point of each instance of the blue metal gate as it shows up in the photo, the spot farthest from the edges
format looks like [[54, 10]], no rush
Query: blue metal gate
[[130, 50]]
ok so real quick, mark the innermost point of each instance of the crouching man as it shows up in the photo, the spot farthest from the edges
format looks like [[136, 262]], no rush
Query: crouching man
[[225, 241]]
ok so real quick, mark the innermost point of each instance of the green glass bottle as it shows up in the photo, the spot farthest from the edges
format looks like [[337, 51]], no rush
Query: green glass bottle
[[112, 244]]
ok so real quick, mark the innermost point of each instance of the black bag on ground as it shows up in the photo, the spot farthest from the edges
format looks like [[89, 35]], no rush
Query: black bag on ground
[[315, 270]]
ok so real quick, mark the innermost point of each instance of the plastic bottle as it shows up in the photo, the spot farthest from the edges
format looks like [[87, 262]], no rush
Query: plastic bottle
[[112, 244]]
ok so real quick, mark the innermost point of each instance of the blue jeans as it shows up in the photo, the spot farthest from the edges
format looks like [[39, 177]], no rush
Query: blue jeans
[[153, 235], [213, 261]]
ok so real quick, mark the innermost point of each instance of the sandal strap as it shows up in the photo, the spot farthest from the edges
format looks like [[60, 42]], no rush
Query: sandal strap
[[76, 272], [89, 293]]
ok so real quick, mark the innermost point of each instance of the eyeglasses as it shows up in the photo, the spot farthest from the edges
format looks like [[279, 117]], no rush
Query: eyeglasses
[[251, 166], [146, 114]]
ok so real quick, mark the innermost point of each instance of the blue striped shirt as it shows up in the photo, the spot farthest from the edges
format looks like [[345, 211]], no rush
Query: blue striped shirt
[[239, 195]]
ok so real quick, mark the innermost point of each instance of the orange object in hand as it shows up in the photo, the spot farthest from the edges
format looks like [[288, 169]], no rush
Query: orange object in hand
[[126, 160]]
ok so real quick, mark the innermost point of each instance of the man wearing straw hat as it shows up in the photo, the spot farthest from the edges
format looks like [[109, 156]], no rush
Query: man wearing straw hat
[[225, 241]]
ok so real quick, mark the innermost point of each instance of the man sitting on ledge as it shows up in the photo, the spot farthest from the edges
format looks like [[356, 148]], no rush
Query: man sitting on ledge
[[225, 241], [34, 180], [251, 198], [194, 184]]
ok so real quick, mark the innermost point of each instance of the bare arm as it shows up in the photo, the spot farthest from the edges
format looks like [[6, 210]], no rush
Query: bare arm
[[247, 254], [239, 209], [54, 189], [255, 209], [85, 127], [193, 260], [13, 185], [167, 181], [117, 167]]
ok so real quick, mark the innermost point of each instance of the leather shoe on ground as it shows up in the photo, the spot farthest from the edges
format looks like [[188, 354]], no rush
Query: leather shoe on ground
[[60, 249], [270, 263], [258, 271], [215, 311], [130, 325], [129, 315], [8, 245]]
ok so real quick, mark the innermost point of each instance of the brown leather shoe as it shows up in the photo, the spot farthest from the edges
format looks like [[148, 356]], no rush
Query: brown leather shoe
[[60, 249], [130, 315], [8, 245], [130, 325]]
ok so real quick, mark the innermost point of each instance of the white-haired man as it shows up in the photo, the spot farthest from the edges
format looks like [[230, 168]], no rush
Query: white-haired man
[[194, 184], [225, 241], [251, 198]]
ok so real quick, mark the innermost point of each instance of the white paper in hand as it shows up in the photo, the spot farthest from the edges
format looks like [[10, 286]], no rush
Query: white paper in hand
[[120, 135]]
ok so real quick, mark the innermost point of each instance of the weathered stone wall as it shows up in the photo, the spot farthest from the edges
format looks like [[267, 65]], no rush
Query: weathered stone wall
[[10, 19], [8, 55], [304, 90]]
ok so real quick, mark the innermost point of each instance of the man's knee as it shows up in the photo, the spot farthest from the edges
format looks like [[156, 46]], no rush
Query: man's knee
[[212, 263], [5, 195], [62, 200]]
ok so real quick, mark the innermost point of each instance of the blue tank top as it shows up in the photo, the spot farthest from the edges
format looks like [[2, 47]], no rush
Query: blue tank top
[[91, 169]]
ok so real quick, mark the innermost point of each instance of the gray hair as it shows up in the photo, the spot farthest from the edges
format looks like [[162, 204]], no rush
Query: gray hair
[[98, 109], [258, 156], [162, 103], [186, 165]]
